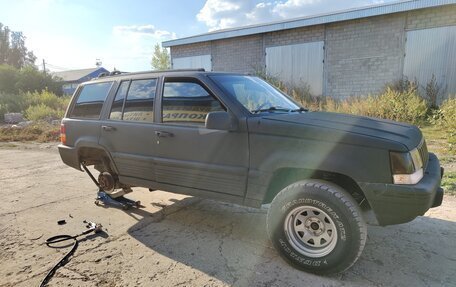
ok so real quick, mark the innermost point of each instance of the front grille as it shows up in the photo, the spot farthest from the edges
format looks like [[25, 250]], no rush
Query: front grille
[[422, 148]]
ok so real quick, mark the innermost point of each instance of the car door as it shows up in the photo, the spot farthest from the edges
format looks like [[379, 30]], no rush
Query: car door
[[129, 130], [188, 154]]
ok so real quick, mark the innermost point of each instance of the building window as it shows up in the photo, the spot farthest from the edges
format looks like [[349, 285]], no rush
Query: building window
[[187, 103], [90, 100], [139, 105]]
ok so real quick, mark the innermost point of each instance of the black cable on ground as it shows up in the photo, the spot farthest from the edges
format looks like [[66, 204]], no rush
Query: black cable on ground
[[50, 242]]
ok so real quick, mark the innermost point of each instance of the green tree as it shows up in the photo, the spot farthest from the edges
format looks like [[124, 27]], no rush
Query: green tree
[[32, 80], [160, 58], [27, 79], [8, 79], [13, 50]]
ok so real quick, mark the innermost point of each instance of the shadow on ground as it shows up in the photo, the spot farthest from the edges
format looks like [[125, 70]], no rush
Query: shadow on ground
[[230, 243]]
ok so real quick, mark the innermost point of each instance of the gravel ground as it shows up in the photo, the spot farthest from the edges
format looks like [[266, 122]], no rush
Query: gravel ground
[[177, 240]]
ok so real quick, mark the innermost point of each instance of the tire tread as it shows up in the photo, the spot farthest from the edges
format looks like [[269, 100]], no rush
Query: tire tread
[[341, 195]]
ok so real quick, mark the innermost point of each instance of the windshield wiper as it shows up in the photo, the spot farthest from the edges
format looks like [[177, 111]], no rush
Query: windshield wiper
[[301, 109], [279, 109], [271, 109]]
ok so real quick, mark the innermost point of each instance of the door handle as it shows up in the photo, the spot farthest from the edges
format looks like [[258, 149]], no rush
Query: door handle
[[108, 128], [162, 134]]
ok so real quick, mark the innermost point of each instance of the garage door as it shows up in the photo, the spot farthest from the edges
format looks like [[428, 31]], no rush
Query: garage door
[[432, 51], [297, 64], [194, 62]]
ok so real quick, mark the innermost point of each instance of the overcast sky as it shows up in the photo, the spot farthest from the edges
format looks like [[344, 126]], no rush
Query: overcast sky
[[73, 34]]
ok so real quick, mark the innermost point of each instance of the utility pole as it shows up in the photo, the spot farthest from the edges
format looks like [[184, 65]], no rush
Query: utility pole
[[44, 67]]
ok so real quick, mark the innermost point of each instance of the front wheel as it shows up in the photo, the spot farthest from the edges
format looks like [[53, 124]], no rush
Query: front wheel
[[317, 227]]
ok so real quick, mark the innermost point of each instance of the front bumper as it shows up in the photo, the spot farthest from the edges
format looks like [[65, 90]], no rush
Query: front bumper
[[394, 203]]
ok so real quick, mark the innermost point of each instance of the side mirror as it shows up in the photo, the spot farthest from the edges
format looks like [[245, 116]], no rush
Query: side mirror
[[219, 121]]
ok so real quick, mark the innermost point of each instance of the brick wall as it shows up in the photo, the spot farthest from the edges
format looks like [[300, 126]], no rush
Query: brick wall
[[362, 55], [295, 36], [195, 49], [433, 17], [242, 54]]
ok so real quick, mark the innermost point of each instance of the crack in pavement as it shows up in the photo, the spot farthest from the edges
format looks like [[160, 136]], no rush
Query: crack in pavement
[[220, 247], [41, 205], [83, 276]]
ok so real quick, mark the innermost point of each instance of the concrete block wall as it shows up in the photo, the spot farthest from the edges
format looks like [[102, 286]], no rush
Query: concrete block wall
[[361, 56], [195, 49], [432, 17], [294, 36], [241, 54]]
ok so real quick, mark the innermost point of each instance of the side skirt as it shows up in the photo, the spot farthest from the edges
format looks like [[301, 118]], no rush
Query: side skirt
[[187, 191]]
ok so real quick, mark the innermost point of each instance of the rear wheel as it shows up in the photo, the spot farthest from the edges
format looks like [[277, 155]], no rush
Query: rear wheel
[[317, 227]]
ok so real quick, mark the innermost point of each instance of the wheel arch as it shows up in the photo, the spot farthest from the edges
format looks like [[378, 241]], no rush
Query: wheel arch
[[93, 154], [283, 177]]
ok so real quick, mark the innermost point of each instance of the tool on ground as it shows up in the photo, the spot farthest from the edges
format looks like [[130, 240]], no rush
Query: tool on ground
[[105, 199], [106, 195], [52, 241]]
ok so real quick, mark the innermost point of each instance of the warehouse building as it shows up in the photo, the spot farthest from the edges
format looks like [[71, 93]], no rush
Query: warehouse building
[[353, 52]]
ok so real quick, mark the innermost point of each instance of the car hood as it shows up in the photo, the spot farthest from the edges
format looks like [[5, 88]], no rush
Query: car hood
[[342, 128]]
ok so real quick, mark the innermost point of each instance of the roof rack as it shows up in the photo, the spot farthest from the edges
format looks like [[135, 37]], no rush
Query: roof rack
[[167, 71], [115, 73]]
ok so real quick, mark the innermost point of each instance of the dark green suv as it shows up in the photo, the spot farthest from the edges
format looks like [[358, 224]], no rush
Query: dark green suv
[[235, 138]]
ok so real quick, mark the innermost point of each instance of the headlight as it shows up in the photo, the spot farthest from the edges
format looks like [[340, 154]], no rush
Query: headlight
[[407, 168]]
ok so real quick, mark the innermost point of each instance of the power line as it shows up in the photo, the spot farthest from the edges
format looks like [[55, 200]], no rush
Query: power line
[[58, 67]]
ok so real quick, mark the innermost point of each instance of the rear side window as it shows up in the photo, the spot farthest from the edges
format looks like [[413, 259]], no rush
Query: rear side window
[[90, 100], [139, 106], [117, 105]]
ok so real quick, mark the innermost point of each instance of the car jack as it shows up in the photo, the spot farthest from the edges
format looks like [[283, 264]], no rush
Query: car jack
[[115, 199]]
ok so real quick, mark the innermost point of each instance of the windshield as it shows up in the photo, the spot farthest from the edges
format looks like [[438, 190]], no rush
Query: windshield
[[255, 94]]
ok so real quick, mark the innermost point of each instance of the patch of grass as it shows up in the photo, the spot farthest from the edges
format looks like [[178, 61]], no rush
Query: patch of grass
[[449, 182], [8, 145], [39, 132], [437, 140]]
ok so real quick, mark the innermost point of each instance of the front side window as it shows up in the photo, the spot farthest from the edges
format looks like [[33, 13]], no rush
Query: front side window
[[90, 100], [187, 103], [255, 94]]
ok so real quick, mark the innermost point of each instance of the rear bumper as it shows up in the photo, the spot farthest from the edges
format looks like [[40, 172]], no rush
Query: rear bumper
[[394, 203], [69, 156]]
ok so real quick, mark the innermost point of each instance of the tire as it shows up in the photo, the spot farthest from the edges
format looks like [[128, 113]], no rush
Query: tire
[[317, 227]]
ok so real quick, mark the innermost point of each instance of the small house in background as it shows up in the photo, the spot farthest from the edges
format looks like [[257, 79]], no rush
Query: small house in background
[[72, 78]]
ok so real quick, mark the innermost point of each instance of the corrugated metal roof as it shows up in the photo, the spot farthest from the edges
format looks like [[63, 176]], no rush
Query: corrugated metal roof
[[351, 14], [75, 75]]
